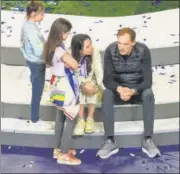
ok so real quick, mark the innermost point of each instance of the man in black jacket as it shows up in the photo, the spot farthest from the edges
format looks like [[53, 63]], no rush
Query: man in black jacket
[[128, 79]]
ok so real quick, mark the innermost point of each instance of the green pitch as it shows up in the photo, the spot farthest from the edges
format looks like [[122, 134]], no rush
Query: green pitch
[[97, 8]]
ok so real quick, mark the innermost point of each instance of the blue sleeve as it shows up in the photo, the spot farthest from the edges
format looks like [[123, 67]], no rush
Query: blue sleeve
[[36, 41]]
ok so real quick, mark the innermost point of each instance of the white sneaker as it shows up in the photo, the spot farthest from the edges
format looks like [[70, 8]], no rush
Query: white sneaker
[[41, 125], [80, 126]]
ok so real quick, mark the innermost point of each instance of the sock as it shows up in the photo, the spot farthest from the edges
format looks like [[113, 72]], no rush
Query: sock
[[111, 138]]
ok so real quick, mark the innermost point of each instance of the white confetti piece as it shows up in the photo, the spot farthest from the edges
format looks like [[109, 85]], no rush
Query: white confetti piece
[[30, 165], [9, 147], [167, 38], [131, 154], [82, 151]]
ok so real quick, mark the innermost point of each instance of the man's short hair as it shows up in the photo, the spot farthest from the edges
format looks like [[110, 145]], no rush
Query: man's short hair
[[129, 31]]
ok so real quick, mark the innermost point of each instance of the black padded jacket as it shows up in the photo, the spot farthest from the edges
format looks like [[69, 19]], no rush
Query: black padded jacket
[[133, 71]]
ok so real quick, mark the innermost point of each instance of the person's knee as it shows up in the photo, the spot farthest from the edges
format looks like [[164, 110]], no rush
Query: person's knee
[[148, 93]]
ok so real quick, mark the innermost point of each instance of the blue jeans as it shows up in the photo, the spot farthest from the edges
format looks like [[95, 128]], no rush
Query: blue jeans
[[37, 78]]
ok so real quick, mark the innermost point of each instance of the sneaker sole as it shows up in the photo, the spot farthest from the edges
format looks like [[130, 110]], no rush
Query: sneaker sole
[[78, 134], [56, 156], [89, 132], [68, 163], [111, 153], [149, 155]]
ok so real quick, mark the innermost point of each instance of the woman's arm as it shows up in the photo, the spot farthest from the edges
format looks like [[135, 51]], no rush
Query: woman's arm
[[97, 66], [69, 61]]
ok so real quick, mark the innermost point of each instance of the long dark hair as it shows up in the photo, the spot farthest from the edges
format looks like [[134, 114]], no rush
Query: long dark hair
[[55, 38], [77, 44]]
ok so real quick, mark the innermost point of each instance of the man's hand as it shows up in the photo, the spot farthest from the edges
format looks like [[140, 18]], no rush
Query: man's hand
[[89, 88], [125, 93]]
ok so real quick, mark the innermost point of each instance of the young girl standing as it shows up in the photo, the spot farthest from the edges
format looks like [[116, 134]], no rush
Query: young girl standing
[[65, 90], [32, 44]]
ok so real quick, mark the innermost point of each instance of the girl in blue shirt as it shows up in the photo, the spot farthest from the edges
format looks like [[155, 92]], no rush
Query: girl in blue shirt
[[32, 44]]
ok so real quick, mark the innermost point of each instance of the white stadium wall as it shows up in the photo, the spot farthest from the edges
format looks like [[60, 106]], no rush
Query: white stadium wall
[[159, 30]]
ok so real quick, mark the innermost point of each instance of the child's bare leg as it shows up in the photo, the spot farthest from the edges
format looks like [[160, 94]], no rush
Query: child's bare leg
[[90, 121], [81, 111], [80, 126], [91, 110]]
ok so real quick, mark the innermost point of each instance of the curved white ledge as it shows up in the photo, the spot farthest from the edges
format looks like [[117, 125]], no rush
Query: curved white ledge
[[16, 88], [157, 30]]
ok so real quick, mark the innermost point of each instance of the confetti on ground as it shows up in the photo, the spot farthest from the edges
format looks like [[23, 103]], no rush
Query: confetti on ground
[[82, 151], [9, 147], [131, 154], [102, 45], [143, 163], [167, 167], [24, 165], [30, 166]]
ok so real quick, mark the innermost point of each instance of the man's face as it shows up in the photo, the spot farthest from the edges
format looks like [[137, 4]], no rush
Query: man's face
[[125, 44]]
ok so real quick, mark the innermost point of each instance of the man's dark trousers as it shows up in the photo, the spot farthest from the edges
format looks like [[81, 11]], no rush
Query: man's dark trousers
[[146, 98]]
